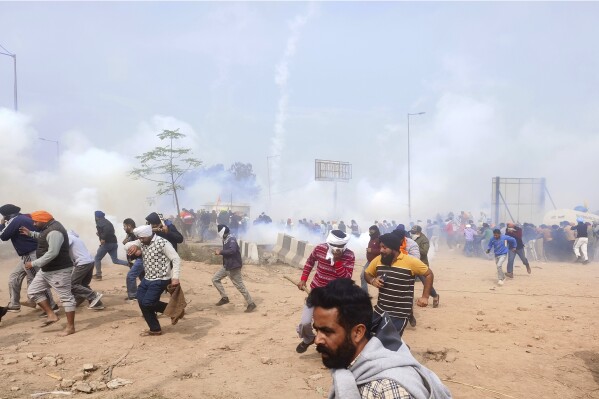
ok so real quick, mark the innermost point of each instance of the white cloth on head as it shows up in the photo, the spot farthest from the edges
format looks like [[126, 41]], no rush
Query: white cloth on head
[[332, 239], [221, 232], [143, 231]]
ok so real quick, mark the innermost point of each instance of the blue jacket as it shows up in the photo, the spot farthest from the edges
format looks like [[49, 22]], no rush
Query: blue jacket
[[10, 231], [499, 245]]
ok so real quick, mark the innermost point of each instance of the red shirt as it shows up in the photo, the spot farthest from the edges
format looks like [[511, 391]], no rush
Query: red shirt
[[375, 249], [325, 270]]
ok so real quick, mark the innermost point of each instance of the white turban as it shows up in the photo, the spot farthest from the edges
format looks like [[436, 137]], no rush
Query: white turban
[[143, 231], [336, 237]]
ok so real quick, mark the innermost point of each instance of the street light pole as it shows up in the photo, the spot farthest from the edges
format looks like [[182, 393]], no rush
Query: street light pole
[[14, 59], [409, 174]]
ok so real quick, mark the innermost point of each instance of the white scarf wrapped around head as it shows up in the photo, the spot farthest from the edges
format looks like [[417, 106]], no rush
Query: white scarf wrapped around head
[[336, 237], [143, 231]]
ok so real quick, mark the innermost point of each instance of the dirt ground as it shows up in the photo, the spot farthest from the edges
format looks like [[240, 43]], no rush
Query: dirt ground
[[535, 337]]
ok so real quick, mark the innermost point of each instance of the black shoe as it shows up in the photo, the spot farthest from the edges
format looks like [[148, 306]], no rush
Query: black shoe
[[412, 320], [302, 347], [585, 262], [250, 307], [3, 312], [222, 301], [96, 277]]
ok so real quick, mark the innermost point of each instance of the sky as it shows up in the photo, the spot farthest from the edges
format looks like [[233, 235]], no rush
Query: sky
[[508, 89]]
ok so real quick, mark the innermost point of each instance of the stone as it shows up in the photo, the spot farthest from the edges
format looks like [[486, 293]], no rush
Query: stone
[[97, 385], [31, 355], [60, 360], [537, 337], [118, 382], [315, 377], [81, 386], [522, 309], [265, 360], [49, 360], [14, 389], [78, 377], [195, 375], [10, 361], [480, 313], [450, 357], [66, 383], [89, 367]]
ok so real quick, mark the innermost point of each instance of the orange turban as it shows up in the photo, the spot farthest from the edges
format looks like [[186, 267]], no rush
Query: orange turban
[[41, 216]]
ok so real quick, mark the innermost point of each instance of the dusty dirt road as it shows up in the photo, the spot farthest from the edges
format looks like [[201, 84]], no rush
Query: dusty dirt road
[[535, 337]]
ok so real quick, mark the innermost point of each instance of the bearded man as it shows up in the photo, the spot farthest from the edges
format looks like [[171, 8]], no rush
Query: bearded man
[[393, 273]]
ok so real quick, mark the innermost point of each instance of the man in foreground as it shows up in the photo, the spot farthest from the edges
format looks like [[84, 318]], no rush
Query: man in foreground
[[56, 268], [161, 267], [361, 366]]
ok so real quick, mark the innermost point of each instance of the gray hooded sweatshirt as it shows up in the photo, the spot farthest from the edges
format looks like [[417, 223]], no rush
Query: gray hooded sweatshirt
[[375, 362]]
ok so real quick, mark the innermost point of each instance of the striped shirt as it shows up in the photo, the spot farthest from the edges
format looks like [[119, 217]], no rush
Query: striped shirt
[[326, 271], [397, 294]]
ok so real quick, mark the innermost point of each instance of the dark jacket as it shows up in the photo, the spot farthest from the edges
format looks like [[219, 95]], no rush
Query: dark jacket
[[105, 230], [231, 253], [581, 230], [173, 236], [423, 246], [10, 231], [63, 259]]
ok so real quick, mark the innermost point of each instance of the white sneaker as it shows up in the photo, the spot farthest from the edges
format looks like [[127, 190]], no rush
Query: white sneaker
[[95, 301], [500, 282]]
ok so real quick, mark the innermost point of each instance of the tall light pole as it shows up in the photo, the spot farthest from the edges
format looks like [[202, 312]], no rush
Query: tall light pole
[[268, 158], [409, 174], [14, 59]]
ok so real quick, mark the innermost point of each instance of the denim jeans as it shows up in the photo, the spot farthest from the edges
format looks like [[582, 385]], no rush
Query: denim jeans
[[107, 248], [399, 323], [148, 299], [137, 270], [512, 255]]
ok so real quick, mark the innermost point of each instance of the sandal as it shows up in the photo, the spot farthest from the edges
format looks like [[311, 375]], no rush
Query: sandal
[[149, 333], [436, 301]]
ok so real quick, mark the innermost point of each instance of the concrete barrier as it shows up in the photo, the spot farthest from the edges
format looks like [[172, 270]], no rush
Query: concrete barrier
[[249, 251], [292, 251]]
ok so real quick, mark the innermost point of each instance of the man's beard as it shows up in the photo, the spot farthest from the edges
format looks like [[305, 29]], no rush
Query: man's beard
[[387, 259], [341, 358]]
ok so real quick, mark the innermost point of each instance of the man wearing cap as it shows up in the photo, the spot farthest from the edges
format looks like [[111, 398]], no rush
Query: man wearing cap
[[162, 266], [581, 242], [231, 267], [162, 228], [55, 265], [12, 221], [108, 243], [392, 272], [333, 260]]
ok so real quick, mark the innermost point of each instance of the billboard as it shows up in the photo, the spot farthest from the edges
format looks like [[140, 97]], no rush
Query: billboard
[[332, 170]]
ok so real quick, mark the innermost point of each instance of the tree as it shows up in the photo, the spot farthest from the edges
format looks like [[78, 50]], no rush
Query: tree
[[244, 180], [166, 165]]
